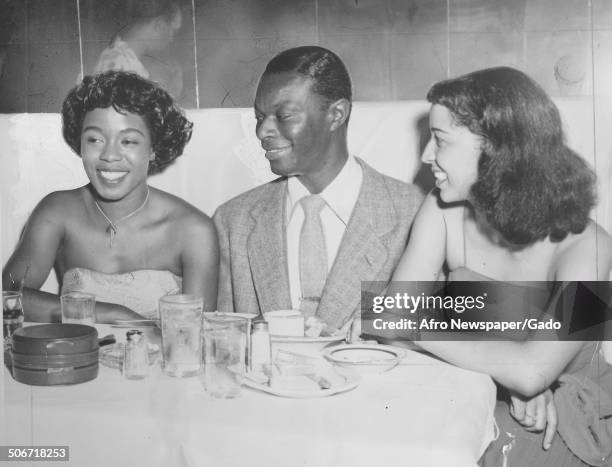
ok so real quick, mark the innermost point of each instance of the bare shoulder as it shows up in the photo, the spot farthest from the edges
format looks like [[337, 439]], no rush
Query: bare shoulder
[[431, 215], [57, 199], [451, 214], [59, 206], [183, 216], [432, 202], [585, 256]]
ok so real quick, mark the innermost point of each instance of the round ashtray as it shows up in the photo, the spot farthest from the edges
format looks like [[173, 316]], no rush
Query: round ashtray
[[365, 358], [54, 354], [55, 339]]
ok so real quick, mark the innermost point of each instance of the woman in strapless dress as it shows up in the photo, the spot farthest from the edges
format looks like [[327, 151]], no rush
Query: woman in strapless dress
[[512, 203], [117, 237]]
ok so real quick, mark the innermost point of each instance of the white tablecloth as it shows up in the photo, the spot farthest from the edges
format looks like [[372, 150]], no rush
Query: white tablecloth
[[422, 413]]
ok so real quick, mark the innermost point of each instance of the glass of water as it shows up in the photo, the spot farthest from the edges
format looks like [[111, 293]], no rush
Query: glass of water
[[12, 313], [225, 341], [181, 324], [78, 308]]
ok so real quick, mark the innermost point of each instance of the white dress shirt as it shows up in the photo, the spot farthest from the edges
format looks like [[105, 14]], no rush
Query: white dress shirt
[[340, 197]]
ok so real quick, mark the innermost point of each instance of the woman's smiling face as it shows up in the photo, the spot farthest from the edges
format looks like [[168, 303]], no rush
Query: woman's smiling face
[[453, 152], [116, 149]]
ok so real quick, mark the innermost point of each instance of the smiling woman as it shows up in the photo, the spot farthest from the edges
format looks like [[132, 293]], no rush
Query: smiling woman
[[453, 153], [511, 204], [116, 237]]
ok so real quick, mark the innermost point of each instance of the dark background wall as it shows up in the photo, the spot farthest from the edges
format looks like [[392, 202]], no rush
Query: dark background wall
[[395, 49]]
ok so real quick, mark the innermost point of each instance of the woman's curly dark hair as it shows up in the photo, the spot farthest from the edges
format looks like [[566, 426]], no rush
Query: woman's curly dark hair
[[128, 92], [530, 184]]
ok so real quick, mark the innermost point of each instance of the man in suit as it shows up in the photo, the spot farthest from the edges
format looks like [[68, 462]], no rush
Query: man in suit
[[275, 253]]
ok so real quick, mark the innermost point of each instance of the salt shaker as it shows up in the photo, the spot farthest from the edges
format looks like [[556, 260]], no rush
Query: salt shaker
[[260, 346], [135, 361]]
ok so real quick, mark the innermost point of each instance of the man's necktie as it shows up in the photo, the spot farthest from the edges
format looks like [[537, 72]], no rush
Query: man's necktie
[[313, 254]]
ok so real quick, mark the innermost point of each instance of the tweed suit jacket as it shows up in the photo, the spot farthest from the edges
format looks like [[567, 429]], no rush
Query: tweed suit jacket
[[253, 275]]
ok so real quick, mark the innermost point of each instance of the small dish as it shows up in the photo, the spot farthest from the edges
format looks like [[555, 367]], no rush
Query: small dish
[[365, 358], [311, 390]]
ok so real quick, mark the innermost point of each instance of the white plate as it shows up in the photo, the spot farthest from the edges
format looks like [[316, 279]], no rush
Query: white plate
[[351, 382], [212, 314], [371, 358], [306, 339]]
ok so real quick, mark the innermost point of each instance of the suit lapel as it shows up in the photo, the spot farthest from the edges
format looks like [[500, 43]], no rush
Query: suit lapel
[[362, 252], [267, 251]]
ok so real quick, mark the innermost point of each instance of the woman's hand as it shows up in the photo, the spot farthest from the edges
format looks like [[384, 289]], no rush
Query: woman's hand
[[536, 414]]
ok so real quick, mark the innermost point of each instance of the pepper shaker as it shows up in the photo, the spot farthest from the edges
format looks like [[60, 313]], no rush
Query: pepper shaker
[[135, 361]]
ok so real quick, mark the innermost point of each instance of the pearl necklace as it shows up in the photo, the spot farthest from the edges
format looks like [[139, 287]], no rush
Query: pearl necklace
[[112, 228]]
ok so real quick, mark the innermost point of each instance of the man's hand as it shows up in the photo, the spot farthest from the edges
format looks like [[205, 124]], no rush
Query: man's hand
[[536, 414]]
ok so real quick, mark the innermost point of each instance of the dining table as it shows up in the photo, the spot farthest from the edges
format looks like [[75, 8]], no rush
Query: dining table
[[422, 412]]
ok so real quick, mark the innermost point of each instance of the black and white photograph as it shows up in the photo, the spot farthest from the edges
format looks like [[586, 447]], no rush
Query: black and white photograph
[[314, 233]]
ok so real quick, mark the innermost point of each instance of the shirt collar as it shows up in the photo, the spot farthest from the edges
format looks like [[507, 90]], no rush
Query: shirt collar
[[340, 195]]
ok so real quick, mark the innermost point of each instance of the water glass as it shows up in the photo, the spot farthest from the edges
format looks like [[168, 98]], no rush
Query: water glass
[[181, 324], [225, 341], [12, 313], [78, 308]]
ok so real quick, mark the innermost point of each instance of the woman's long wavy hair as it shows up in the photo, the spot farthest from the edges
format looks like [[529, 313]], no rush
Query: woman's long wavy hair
[[530, 184]]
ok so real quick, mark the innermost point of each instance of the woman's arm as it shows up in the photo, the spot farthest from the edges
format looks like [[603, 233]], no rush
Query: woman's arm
[[530, 367], [34, 257], [32, 260], [44, 307], [526, 368], [426, 250], [200, 260]]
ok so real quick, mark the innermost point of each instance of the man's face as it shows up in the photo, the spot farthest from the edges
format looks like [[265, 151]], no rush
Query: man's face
[[293, 125]]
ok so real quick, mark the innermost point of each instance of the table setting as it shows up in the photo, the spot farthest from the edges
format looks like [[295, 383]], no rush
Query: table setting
[[226, 389]]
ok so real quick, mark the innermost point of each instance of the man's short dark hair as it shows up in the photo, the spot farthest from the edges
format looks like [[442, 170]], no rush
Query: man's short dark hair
[[330, 78]]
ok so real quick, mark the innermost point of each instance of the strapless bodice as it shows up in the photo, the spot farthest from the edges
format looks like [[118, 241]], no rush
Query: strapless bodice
[[138, 290], [506, 301]]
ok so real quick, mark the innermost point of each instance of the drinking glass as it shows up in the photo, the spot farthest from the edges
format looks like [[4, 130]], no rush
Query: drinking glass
[[225, 341], [12, 314], [78, 308], [181, 323]]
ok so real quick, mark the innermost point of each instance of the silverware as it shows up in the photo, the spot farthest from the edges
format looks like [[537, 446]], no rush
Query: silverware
[[320, 380]]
